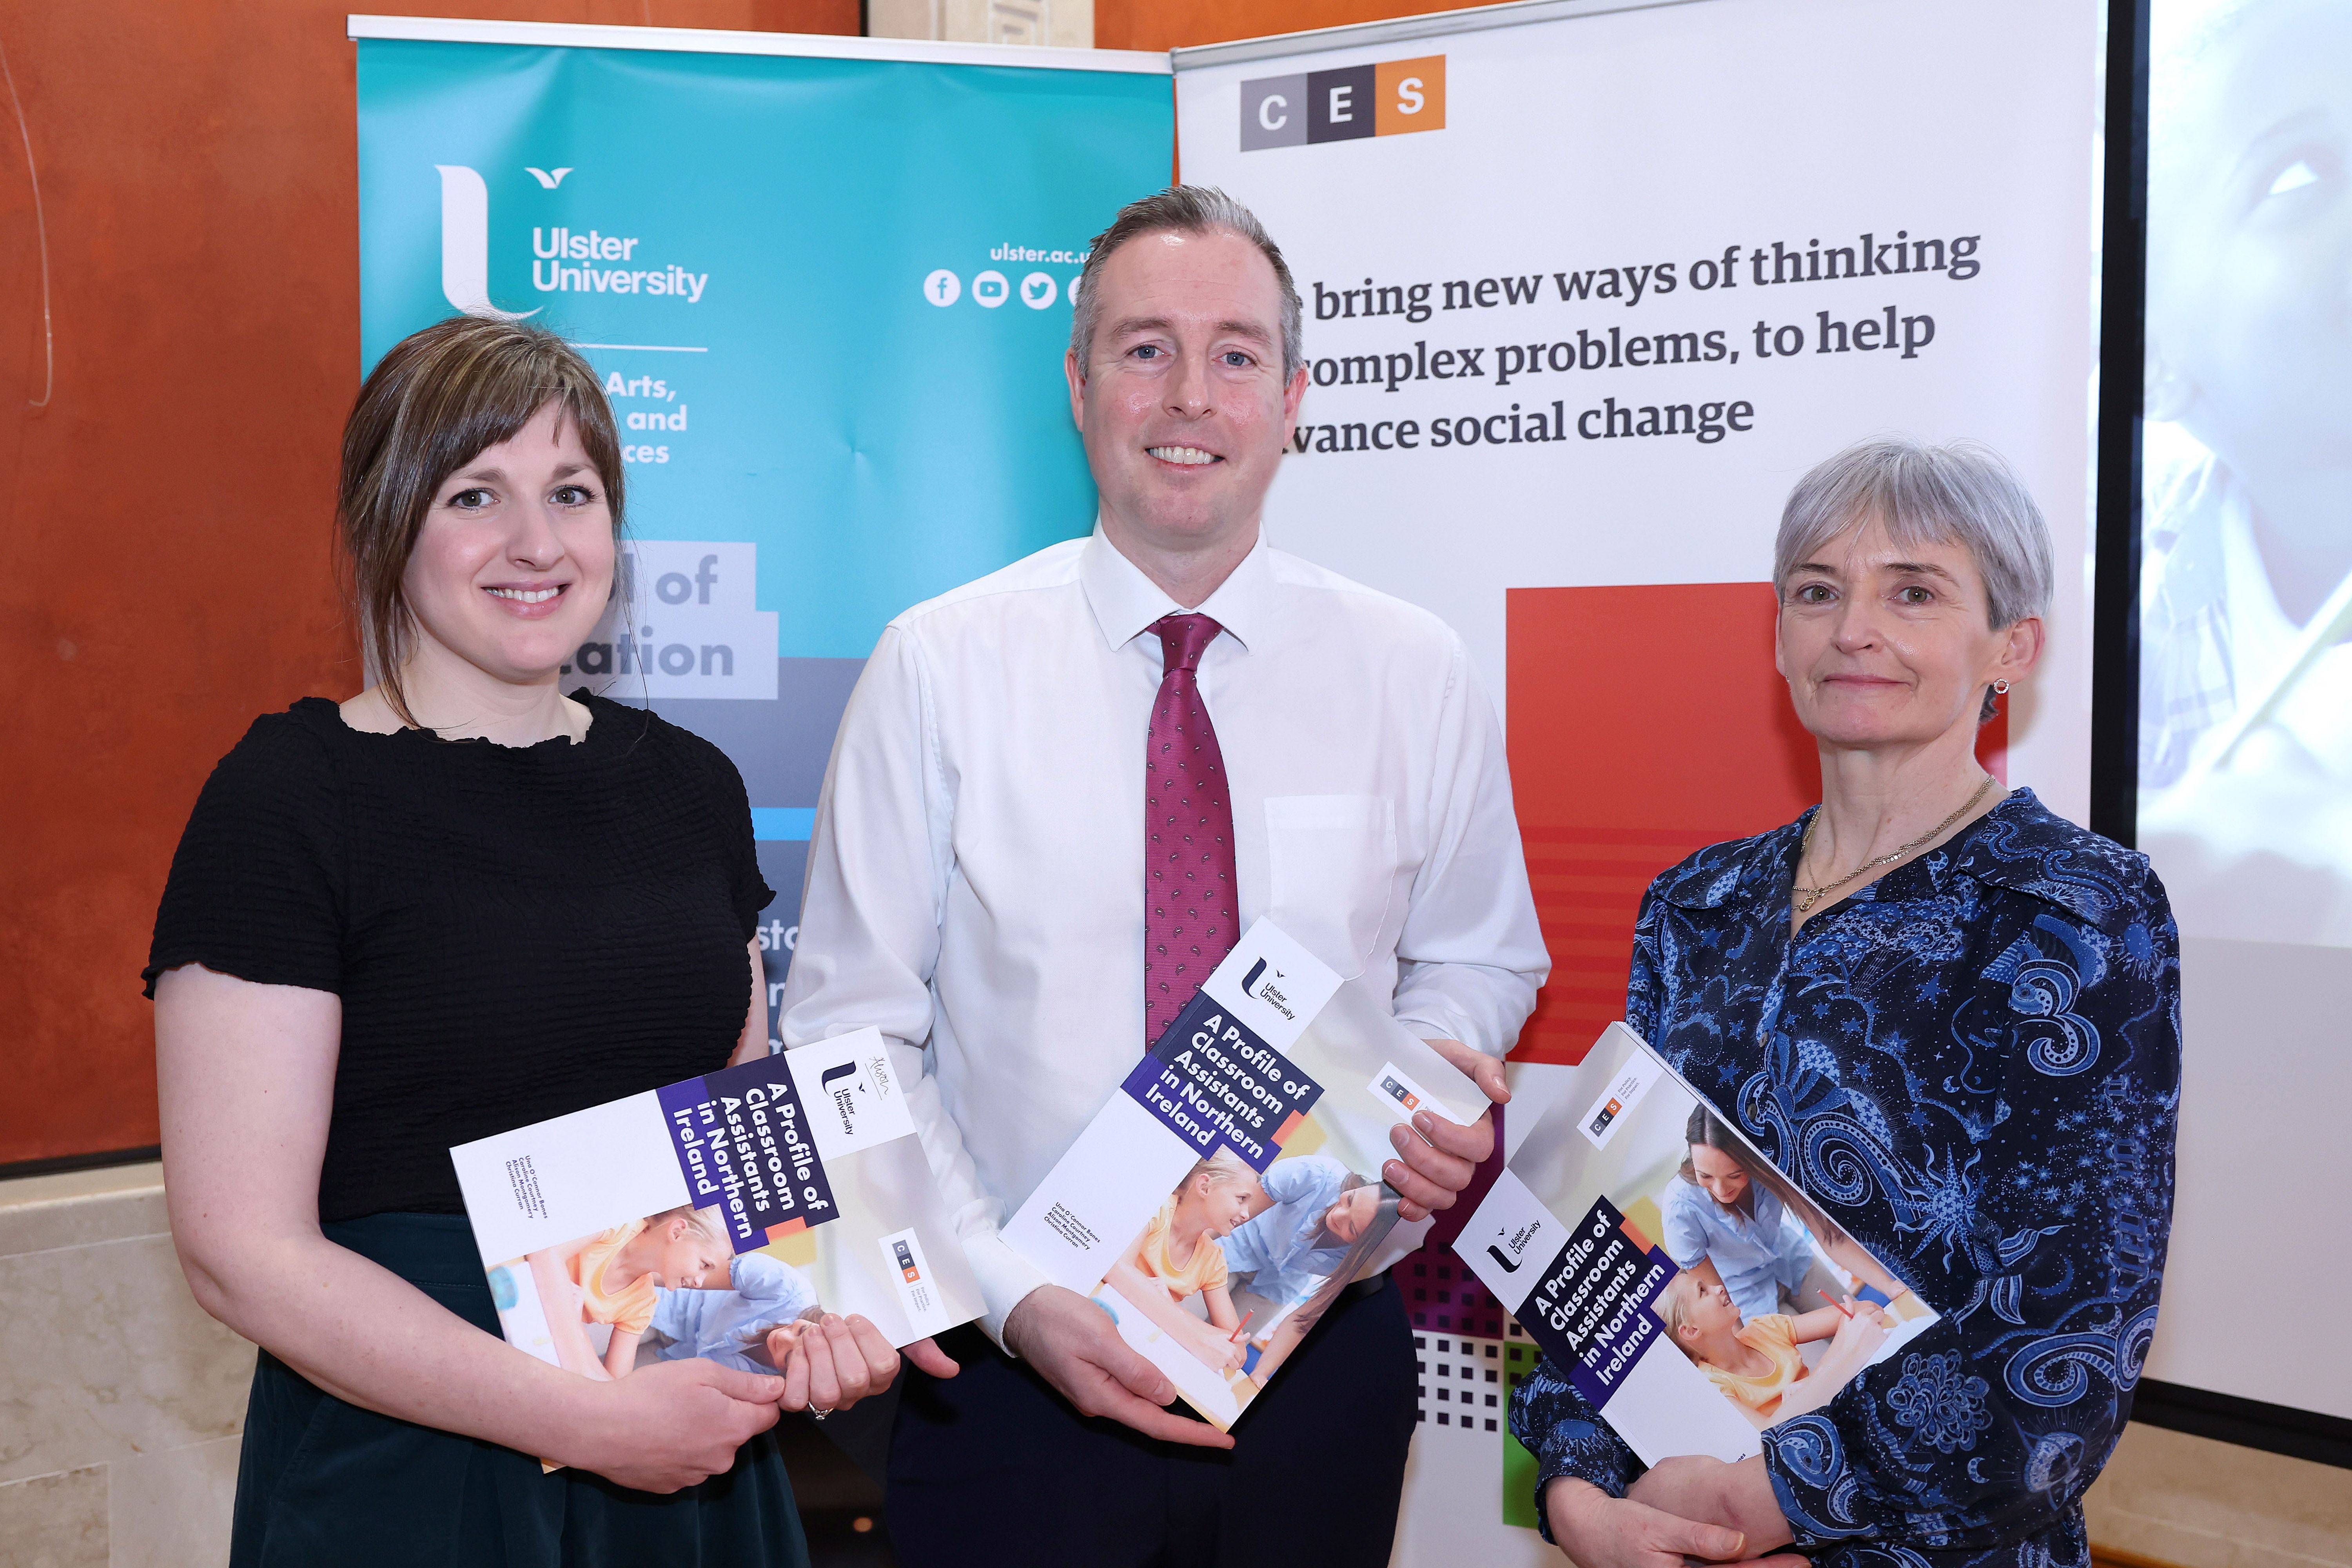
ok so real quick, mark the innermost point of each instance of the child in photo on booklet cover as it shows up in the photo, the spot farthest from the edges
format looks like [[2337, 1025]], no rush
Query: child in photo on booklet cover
[[614, 1277]]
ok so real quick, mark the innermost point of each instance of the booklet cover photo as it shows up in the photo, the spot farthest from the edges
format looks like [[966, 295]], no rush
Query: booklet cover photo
[[1676, 1277], [716, 1217], [1230, 1189]]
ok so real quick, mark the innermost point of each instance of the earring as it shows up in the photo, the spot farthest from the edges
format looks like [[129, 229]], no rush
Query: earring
[[2002, 686]]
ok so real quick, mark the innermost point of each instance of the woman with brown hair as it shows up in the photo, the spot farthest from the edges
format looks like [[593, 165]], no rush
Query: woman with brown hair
[[457, 903]]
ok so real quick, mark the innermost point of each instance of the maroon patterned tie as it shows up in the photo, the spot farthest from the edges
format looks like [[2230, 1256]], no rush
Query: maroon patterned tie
[[1188, 825]]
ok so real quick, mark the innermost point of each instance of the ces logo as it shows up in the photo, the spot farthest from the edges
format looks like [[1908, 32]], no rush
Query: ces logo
[[1385, 100]]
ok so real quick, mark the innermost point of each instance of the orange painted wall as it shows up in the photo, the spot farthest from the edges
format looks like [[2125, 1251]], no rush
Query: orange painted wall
[[1645, 722], [1174, 23], [164, 517]]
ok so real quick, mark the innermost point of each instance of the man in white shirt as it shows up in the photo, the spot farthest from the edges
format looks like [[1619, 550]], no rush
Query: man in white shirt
[[1058, 795]]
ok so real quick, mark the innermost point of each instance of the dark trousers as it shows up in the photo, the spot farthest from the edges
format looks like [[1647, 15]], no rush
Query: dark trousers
[[994, 1467]]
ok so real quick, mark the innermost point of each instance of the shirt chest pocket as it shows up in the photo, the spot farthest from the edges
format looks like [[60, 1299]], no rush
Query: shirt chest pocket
[[1332, 861]]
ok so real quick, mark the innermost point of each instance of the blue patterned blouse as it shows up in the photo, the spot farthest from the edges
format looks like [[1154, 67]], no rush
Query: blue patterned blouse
[[1974, 1066]]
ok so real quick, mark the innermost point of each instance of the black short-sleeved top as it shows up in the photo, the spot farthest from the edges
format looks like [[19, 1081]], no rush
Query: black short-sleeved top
[[516, 932]]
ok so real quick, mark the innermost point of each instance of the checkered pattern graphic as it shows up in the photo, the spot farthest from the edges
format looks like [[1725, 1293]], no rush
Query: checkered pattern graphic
[[1467, 1374], [1188, 850]]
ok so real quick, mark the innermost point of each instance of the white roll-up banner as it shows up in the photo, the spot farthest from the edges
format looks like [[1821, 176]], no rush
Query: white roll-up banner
[[1588, 287]]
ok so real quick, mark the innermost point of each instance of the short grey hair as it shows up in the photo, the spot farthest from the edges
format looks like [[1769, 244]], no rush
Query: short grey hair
[[1963, 493], [1187, 209]]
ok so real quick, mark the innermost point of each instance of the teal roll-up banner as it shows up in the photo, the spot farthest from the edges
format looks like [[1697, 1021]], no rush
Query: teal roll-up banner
[[828, 293]]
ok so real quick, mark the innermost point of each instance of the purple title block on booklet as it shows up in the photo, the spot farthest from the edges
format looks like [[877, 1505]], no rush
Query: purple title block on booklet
[[1212, 1081], [1591, 1312], [741, 1139]]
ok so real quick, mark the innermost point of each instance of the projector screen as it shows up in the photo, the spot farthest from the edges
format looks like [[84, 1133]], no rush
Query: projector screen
[[2244, 795]]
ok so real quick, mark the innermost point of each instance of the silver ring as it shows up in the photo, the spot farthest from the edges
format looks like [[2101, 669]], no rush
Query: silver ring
[[816, 1414]]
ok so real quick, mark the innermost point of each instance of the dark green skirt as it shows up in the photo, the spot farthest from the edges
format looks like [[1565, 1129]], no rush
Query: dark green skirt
[[323, 1481]]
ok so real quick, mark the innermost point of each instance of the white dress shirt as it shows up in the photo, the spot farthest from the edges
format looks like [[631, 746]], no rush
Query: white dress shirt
[[976, 878]]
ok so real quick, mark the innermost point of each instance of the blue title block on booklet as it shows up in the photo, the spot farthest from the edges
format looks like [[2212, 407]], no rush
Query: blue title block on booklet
[[1592, 1312], [1213, 1081], [742, 1142]]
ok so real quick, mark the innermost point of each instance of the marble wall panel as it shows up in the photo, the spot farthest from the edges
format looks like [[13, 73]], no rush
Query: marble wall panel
[[110, 1357], [172, 1508], [73, 1206], [54, 1521]]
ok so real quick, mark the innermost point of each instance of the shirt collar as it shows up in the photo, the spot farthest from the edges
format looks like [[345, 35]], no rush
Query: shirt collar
[[1743, 872], [1126, 602], [2026, 848]]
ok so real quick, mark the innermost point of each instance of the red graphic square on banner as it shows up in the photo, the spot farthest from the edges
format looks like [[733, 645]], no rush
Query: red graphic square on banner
[[1645, 722]]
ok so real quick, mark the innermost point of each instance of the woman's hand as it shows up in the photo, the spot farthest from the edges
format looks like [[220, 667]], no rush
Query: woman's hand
[[1850, 1347], [777, 1346], [1598, 1531], [1858, 1338], [835, 1362], [672, 1425], [1709, 1491]]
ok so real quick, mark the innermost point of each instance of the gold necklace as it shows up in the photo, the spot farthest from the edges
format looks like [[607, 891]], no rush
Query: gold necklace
[[1806, 898]]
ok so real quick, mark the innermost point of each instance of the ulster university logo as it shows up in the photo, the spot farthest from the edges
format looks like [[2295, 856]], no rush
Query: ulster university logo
[[1517, 1241], [465, 243], [1386, 99]]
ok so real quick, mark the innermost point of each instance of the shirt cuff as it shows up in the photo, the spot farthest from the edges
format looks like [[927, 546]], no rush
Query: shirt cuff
[[1005, 1280], [1437, 1024]]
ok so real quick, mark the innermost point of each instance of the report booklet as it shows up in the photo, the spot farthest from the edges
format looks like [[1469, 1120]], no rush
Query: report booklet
[[1777, 1310], [1230, 1189], [718, 1215]]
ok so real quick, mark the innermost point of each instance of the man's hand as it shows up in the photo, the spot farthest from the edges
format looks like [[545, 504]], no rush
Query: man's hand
[[1074, 1346], [1598, 1531], [1482, 1069], [1438, 1163]]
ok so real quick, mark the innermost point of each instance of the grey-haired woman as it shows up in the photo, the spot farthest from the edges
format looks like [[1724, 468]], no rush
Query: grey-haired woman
[[1953, 1018]]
